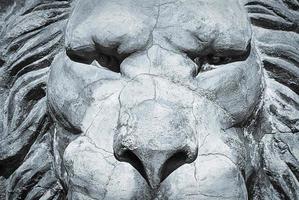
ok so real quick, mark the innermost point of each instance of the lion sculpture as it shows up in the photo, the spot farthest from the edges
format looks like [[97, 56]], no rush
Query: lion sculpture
[[191, 99]]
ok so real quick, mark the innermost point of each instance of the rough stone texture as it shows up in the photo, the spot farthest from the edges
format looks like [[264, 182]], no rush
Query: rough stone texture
[[191, 99]]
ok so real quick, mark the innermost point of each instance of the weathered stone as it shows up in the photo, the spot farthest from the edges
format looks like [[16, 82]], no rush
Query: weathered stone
[[192, 99]]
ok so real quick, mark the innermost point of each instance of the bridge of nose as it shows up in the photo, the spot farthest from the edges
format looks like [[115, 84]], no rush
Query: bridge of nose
[[159, 128], [159, 60]]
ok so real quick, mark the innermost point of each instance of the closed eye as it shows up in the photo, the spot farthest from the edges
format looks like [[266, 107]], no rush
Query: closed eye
[[213, 61], [102, 60], [107, 61]]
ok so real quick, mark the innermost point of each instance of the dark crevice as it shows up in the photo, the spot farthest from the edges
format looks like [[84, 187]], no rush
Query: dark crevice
[[290, 185], [2, 62], [50, 21], [11, 163], [294, 169], [31, 98], [41, 64], [18, 42], [251, 184], [282, 52], [256, 9], [274, 25], [292, 4], [129, 157], [107, 58], [268, 7], [30, 60], [289, 100], [279, 189], [27, 187], [217, 57], [79, 58], [174, 162], [282, 76], [47, 6], [12, 104]]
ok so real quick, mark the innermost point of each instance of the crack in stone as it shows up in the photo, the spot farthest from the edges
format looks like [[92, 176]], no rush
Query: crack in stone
[[214, 196], [97, 114], [195, 90], [204, 141], [217, 154], [94, 144], [195, 172], [108, 181], [173, 51], [155, 88], [157, 21], [167, 3], [149, 60]]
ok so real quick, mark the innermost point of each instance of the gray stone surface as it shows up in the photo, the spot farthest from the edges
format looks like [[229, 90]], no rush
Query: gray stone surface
[[190, 99]]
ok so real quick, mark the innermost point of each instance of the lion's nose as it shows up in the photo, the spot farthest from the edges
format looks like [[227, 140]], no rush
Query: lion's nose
[[156, 165], [156, 140]]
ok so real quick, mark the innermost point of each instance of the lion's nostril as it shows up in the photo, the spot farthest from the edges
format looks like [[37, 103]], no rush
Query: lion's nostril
[[154, 165], [129, 157], [174, 162]]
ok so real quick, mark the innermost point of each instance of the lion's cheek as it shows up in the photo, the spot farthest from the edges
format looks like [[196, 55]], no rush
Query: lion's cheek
[[95, 173], [236, 87], [77, 90], [210, 177]]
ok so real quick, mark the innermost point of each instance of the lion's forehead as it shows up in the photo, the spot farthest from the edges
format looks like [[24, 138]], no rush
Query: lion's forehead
[[188, 25]]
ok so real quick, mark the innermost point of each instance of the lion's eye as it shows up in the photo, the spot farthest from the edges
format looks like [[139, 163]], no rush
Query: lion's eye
[[217, 60], [101, 60], [107, 61], [210, 62]]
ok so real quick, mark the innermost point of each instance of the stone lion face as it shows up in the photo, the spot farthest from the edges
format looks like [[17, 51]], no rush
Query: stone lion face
[[150, 98]]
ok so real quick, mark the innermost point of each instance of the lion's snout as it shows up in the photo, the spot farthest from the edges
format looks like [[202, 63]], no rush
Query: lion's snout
[[154, 136]]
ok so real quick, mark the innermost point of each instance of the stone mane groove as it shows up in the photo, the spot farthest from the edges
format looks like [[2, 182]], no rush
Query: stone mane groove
[[31, 34]]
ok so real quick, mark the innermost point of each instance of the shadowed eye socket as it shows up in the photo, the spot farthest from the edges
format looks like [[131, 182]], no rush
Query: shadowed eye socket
[[107, 61], [213, 61], [218, 60], [100, 60]]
